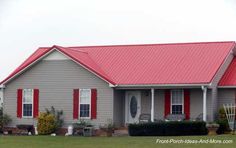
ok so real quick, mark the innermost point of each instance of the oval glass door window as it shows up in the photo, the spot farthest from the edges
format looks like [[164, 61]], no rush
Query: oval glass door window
[[133, 106]]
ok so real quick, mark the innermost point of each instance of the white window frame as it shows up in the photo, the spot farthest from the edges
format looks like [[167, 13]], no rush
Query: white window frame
[[27, 103], [83, 103], [177, 104]]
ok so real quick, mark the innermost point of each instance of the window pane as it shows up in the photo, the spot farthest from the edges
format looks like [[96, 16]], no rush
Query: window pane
[[84, 93], [177, 97], [27, 96], [84, 110], [27, 109], [85, 96], [176, 109]]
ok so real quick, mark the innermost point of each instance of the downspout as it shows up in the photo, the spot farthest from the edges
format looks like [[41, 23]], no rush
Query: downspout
[[152, 104], [204, 89], [2, 89]]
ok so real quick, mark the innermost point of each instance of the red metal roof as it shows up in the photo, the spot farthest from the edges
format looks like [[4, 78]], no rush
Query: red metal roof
[[181, 63], [229, 77]]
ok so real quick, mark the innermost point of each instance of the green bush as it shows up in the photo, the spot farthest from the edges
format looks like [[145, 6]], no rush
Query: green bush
[[46, 124], [58, 116], [171, 128], [222, 121], [4, 119]]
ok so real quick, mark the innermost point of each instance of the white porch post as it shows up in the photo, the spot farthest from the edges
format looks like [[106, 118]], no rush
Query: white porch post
[[152, 105], [204, 89]]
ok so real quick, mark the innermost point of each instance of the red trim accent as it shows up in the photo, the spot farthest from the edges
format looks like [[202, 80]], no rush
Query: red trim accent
[[167, 102], [187, 103], [93, 103], [76, 104], [19, 103], [36, 103]]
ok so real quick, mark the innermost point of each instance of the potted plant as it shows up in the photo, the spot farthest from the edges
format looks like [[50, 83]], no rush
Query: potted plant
[[212, 128], [108, 128]]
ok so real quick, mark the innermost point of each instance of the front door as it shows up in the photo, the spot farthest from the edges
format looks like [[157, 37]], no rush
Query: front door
[[133, 106]]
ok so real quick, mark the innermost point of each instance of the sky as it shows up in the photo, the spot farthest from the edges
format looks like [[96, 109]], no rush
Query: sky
[[26, 25]]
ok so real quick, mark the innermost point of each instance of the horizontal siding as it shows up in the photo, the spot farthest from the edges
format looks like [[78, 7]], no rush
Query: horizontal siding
[[56, 81], [226, 96]]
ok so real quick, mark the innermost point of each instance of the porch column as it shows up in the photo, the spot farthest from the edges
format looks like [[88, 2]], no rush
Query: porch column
[[152, 105], [204, 89]]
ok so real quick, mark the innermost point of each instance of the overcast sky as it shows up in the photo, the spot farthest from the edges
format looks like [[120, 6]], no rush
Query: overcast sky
[[26, 25]]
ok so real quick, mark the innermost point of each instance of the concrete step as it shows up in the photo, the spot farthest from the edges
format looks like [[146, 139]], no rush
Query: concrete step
[[121, 133]]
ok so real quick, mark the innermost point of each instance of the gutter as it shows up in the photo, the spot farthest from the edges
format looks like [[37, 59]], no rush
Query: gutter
[[163, 85], [226, 86]]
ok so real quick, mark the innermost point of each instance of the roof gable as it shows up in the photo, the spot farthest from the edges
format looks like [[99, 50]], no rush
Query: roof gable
[[55, 55], [229, 77]]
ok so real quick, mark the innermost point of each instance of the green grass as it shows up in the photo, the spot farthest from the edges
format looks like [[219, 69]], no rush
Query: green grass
[[107, 142]]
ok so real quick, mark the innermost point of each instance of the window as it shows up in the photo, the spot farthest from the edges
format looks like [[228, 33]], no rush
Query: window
[[27, 103], [85, 103], [177, 101]]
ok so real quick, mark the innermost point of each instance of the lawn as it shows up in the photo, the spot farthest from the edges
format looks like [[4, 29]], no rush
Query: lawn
[[106, 142]]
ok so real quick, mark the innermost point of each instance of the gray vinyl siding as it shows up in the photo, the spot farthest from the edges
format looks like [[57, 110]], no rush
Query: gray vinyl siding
[[119, 108], [56, 81], [226, 96]]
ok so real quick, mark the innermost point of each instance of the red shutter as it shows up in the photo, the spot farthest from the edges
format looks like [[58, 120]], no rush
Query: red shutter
[[187, 104], [19, 103], [76, 104], [36, 103], [93, 103], [167, 102]]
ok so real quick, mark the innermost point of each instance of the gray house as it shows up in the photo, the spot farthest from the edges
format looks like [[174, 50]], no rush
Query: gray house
[[122, 82]]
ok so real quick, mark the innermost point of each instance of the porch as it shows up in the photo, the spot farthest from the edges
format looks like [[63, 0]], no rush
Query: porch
[[129, 104]]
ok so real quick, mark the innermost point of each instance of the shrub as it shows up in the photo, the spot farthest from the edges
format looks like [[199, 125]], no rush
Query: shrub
[[171, 128], [223, 122], [58, 116], [46, 124], [4, 119]]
